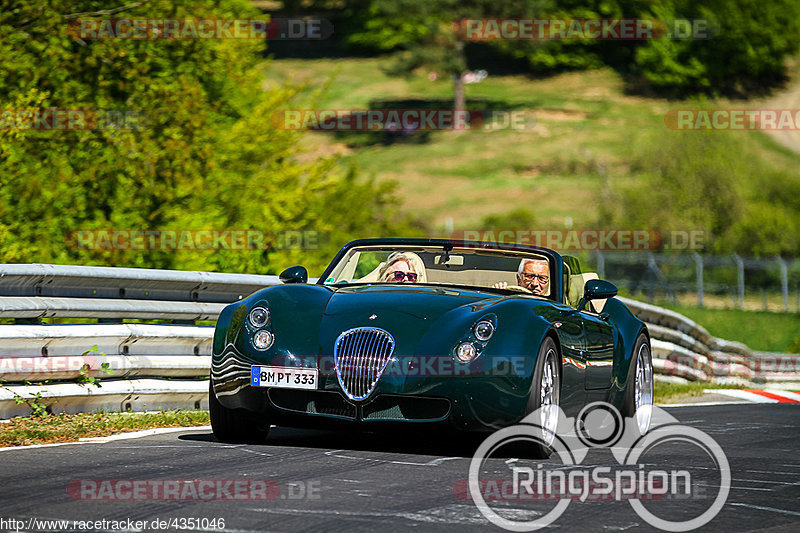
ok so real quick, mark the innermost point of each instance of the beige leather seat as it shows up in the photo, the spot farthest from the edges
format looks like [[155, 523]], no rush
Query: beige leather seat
[[576, 285], [372, 276]]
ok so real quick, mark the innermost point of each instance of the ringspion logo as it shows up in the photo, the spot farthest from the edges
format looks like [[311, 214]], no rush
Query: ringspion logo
[[656, 492]]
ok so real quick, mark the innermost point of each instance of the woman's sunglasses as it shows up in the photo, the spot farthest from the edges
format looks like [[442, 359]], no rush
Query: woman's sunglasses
[[399, 276]]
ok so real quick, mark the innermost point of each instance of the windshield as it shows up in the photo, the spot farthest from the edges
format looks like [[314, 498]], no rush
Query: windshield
[[497, 269]]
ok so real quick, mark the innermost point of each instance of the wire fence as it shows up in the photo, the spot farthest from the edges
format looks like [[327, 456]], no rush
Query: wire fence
[[731, 281]]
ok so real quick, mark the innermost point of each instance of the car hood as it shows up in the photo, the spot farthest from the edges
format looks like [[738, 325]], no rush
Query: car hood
[[406, 311], [424, 302]]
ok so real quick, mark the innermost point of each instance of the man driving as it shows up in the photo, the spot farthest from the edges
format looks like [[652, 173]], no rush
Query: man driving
[[533, 274]]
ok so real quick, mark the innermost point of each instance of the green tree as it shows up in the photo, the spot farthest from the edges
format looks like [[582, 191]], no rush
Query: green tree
[[203, 152], [744, 53]]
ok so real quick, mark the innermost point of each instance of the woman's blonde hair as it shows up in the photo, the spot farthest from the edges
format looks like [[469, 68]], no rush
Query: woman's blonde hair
[[414, 263]]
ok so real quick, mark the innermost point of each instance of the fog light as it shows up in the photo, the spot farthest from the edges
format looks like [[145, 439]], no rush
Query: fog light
[[259, 317], [263, 339], [466, 352]]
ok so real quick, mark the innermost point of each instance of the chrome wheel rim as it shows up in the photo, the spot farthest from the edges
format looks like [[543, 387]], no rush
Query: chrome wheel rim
[[548, 397], [643, 389]]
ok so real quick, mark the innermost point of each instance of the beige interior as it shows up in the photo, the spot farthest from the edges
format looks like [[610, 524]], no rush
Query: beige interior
[[480, 278], [576, 284]]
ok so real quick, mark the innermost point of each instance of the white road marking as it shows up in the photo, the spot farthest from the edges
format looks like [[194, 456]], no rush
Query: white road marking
[[110, 438], [450, 514], [760, 481], [762, 508], [756, 396], [786, 394], [433, 462], [140, 434], [701, 404]]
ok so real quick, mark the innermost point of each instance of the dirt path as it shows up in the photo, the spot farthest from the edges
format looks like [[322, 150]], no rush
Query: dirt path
[[788, 99]]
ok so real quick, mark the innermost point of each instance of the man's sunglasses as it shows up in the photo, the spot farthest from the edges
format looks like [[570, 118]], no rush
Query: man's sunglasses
[[399, 276]]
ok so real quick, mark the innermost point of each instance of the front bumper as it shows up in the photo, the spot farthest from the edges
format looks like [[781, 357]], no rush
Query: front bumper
[[482, 399]]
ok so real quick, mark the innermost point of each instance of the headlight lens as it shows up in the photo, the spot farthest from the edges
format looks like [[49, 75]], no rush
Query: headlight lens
[[484, 330], [259, 316], [263, 339], [466, 352]]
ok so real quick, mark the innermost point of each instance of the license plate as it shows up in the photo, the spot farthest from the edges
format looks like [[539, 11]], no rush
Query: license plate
[[284, 377]]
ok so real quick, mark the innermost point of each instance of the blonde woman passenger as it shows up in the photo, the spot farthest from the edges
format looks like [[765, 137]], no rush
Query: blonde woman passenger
[[403, 267]]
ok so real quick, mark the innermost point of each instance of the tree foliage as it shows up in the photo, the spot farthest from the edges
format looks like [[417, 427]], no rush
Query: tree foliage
[[745, 52], [201, 151], [707, 181]]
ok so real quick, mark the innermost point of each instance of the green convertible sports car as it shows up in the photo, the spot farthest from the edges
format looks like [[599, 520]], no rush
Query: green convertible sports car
[[470, 335]]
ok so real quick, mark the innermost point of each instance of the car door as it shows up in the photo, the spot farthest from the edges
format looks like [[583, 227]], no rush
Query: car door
[[598, 350], [569, 327]]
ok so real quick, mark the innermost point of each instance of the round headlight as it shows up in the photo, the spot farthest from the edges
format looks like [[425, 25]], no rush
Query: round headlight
[[259, 317], [484, 330], [466, 352], [263, 339]]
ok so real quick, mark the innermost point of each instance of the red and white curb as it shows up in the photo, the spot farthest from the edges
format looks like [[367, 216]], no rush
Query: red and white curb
[[759, 396]]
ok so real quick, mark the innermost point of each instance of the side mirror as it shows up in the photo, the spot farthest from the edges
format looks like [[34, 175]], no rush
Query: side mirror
[[295, 274], [596, 289]]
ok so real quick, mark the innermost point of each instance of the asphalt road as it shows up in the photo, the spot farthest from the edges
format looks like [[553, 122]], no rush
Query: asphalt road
[[345, 481]]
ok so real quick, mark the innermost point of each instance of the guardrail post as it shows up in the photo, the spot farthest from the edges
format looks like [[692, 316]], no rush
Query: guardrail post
[[784, 283], [601, 264], [739, 279], [698, 259]]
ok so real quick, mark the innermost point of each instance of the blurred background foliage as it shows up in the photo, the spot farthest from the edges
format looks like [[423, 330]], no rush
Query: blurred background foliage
[[205, 155], [745, 54]]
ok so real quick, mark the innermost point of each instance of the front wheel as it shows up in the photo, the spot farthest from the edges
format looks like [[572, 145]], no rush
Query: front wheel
[[639, 394], [545, 395], [234, 425]]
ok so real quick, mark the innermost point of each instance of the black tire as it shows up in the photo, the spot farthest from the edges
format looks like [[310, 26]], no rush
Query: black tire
[[640, 373], [549, 381], [235, 425]]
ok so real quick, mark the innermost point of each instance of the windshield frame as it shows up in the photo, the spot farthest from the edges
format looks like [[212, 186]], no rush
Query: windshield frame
[[446, 245]]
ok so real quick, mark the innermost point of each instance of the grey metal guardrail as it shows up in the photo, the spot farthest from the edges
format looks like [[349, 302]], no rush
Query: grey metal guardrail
[[158, 366]]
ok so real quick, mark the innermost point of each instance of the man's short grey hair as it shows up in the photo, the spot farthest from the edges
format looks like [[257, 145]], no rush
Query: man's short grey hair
[[525, 261]]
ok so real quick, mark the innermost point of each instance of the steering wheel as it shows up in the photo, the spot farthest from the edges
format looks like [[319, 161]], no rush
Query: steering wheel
[[518, 288]]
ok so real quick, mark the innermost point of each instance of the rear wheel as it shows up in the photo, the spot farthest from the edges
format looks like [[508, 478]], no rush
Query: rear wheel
[[639, 394], [234, 425], [545, 395]]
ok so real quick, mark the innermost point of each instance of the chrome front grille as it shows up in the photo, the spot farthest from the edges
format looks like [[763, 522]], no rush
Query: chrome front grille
[[360, 356]]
